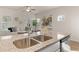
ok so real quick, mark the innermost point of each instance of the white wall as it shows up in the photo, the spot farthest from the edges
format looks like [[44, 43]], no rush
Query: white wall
[[71, 22]]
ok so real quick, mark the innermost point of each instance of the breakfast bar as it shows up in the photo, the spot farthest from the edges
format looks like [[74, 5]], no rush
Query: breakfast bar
[[21, 43]]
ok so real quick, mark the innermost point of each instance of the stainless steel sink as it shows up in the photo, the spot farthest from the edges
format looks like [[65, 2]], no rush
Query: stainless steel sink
[[42, 38], [24, 43]]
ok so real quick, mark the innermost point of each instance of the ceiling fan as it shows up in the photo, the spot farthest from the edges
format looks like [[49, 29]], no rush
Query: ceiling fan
[[29, 9]]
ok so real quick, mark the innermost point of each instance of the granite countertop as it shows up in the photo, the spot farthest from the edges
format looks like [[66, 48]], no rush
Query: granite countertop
[[6, 42]]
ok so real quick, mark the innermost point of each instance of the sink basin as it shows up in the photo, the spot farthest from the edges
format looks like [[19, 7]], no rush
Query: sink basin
[[24, 43], [42, 38]]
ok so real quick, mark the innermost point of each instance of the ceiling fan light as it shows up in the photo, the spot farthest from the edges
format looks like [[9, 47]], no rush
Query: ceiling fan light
[[27, 10]]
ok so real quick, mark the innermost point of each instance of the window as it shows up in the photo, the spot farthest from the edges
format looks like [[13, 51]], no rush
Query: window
[[60, 18]]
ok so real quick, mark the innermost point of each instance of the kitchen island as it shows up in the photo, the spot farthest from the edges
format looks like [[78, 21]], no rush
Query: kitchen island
[[7, 45]]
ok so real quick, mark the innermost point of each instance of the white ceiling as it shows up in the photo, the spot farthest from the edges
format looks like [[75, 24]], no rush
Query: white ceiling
[[38, 8]]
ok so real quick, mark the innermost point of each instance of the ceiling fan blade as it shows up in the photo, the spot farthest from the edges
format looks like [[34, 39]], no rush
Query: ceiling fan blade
[[33, 9]]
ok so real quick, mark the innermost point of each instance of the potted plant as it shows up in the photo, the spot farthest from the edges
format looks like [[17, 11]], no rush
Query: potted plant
[[34, 23]]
